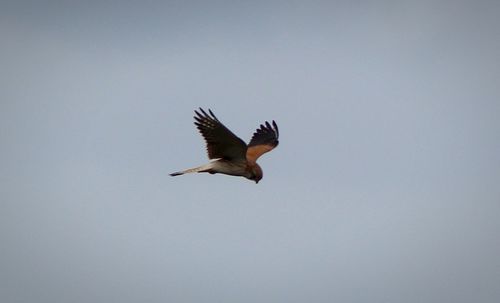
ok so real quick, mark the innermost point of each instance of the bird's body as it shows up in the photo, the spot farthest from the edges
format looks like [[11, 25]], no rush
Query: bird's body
[[229, 154], [220, 166]]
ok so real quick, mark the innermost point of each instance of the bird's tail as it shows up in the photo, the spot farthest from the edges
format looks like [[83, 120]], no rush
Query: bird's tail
[[199, 169]]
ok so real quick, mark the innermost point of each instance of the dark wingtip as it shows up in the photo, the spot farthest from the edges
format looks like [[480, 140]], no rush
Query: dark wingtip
[[203, 111], [175, 174], [197, 114], [211, 113], [203, 114], [276, 128]]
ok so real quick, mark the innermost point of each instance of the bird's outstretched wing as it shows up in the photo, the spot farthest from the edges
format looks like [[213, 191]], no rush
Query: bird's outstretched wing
[[221, 142], [263, 140]]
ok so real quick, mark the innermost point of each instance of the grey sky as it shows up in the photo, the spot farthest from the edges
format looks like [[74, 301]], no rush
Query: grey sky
[[384, 187]]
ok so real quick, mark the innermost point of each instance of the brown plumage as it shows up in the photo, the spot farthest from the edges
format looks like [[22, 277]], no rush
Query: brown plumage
[[229, 154]]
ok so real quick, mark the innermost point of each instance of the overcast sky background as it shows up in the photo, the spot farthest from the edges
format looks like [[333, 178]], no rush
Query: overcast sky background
[[384, 188]]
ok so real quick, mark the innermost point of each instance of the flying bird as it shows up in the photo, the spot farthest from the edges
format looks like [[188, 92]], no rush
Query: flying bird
[[229, 154]]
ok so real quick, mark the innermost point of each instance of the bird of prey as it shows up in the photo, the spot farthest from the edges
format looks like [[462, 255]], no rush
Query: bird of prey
[[229, 154]]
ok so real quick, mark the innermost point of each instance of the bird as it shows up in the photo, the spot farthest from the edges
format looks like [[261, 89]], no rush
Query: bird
[[228, 153]]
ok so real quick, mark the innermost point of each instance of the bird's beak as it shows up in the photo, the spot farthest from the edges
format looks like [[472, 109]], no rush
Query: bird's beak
[[256, 181]]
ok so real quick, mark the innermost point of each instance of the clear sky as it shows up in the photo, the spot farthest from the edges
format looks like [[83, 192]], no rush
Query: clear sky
[[384, 188]]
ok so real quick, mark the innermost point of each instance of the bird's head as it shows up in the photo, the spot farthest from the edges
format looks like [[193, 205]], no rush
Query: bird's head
[[255, 173]]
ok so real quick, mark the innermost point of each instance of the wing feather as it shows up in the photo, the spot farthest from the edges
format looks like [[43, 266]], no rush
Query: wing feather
[[221, 142], [263, 140]]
